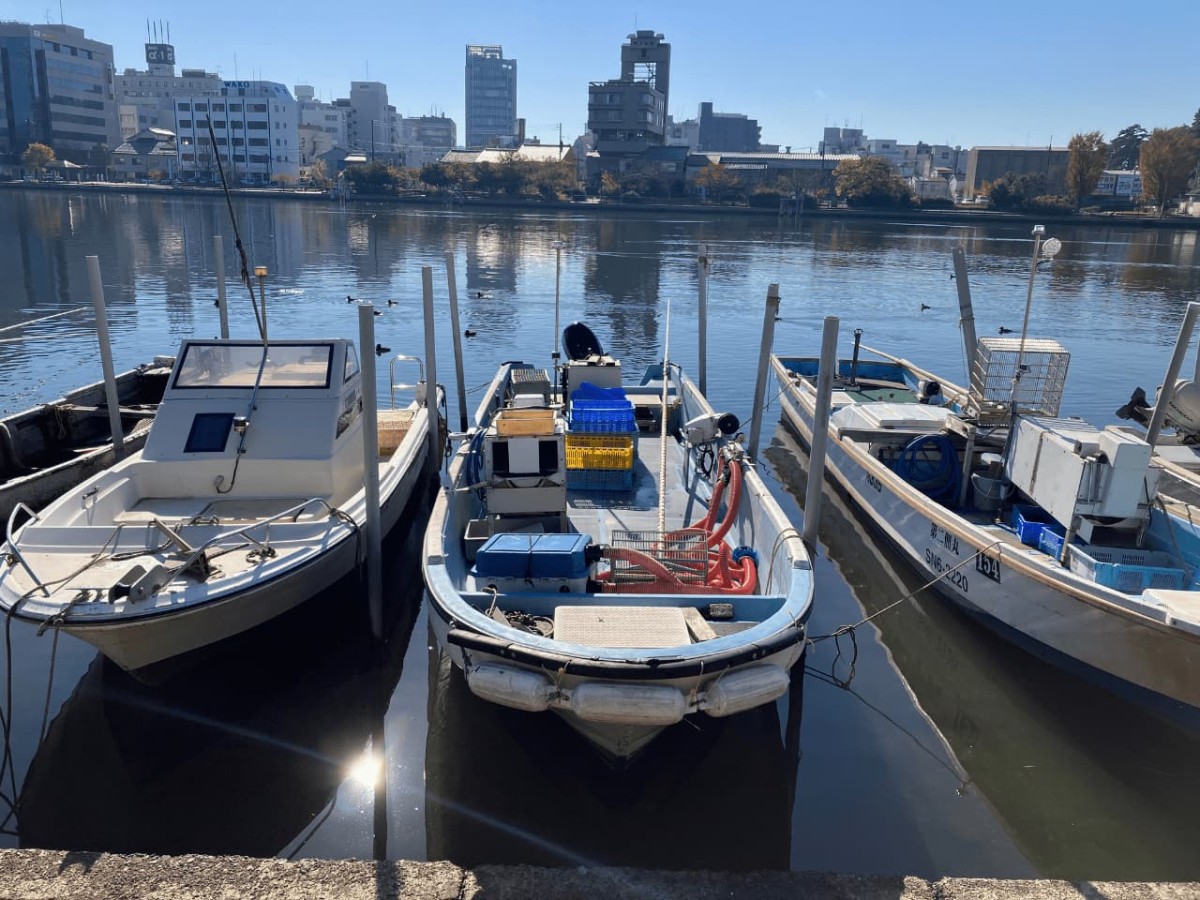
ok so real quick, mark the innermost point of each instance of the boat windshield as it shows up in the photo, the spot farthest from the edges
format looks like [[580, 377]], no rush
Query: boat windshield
[[220, 365]]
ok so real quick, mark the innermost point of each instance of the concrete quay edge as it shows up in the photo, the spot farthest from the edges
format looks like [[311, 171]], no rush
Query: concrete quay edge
[[57, 875]]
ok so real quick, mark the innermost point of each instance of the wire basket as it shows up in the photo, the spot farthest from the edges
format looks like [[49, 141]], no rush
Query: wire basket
[[1043, 367], [685, 554]]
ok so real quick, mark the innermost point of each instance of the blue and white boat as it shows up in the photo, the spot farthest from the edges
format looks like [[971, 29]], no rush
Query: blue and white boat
[[1048, 529], [607, 552]]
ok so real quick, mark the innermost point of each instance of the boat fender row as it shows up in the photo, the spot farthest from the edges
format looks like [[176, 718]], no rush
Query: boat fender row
[[628, 704]]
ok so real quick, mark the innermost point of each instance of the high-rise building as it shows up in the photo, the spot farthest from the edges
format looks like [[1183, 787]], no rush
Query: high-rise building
[[322, 125], [628, 114], [491, 97], [56, 88], [370, 125]]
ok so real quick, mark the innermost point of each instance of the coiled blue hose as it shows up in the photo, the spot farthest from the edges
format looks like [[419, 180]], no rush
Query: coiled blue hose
[[937, 478]]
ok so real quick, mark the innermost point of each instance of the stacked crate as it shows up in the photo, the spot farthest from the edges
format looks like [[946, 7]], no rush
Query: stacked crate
[[601, 440]]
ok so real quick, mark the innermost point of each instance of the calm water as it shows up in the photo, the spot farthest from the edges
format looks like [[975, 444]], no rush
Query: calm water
[[949, 752]]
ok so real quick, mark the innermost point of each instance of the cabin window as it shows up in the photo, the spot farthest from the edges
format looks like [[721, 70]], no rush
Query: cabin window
[[209, 433], [230, 365], [351, 365]]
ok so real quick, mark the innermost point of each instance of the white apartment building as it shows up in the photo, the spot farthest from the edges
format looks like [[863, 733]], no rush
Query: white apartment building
[[322, 126], [426, 139], [256, 127]]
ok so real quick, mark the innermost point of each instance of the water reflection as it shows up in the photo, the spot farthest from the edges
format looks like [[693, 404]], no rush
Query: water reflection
[[509, 787], [1088, 785]]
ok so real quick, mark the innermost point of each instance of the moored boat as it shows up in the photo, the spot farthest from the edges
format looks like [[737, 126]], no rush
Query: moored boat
[[247, 499], [1046, 528], [49, 448], [606, 551]]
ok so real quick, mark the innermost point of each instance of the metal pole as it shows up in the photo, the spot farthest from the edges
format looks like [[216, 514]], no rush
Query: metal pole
[[820, 432], [460, 379], [702, 367], [110, 378], [222, 306], [966, 312], [558, 245], [261, 272], [431, 404], [764, 364], [1038, 231], [1168, 385], [370, 436]]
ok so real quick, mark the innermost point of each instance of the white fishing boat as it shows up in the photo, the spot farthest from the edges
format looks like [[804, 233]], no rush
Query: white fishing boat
[[606, 552], [1048, 529], [247, 499], [53, 446]]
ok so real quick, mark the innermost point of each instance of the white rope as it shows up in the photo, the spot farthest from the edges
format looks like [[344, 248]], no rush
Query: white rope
[[69, 312]]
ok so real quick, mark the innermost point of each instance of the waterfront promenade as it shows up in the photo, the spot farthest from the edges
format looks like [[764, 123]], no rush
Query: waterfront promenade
[[38, 874], [642, 207]]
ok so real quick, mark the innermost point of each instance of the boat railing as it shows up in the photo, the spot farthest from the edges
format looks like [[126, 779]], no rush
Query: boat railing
[[415, 388], [194, 554], [264, 546], [15, 550]]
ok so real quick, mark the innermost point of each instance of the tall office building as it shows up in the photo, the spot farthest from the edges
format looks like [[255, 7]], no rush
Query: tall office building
[[56, 88], [491, 98], [255, 124]]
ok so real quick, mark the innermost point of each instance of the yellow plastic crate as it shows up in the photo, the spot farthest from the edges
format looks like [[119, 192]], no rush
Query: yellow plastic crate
[[594, 451]]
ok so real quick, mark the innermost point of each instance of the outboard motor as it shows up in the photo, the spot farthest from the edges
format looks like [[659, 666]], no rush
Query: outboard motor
[[1137, 409]]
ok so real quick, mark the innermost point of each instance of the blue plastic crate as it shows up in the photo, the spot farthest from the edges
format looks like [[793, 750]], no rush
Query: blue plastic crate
[[1128, 570], [1030, 521], [600, 479], [602, 417], [1050, 542]]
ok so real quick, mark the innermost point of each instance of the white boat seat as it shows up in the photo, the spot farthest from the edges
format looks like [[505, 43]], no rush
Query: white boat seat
[[163, 508], [235, 510], [1182, 607], [621, 626]]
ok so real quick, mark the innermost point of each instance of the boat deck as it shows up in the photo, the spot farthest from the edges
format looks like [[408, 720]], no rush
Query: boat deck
[[600, 513]]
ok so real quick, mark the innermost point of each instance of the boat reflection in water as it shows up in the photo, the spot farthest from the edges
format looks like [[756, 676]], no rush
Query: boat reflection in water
[[1087, 785], [713, 795], [244, 754]]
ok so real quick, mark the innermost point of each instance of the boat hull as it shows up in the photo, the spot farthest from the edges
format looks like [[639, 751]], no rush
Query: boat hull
[[138, 641], [1017, 590], [620, 697]]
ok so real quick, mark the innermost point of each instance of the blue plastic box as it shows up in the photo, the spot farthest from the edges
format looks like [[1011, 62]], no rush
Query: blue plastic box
[[505, 555], [559, 556], [1030, 521]]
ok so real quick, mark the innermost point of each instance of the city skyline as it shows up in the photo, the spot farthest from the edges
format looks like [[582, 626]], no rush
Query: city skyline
[[888, 71]]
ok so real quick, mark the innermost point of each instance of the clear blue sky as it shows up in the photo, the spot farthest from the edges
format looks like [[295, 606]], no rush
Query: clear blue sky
[[959, 73]]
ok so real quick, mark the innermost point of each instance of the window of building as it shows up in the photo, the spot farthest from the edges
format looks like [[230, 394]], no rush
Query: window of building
[[185, 107], [201, 107], [257, 107], [185, 123], [257, 126], [235, 124], [220, 123], [235, 107], [259, 142], [218, 107]]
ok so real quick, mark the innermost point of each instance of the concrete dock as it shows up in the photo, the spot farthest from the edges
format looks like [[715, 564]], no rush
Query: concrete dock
[[55, 875]]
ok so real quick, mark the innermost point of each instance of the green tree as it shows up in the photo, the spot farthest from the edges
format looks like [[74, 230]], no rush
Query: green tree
[[1085, 164], [1195, 127], [608, 184], [1125, 147], [36, 157], [718, 182], [1167, 161], [871, 182], [374, 178], [1015, 192]]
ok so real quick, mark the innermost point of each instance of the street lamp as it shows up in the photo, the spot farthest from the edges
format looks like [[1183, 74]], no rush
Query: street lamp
[[1042, 252]]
